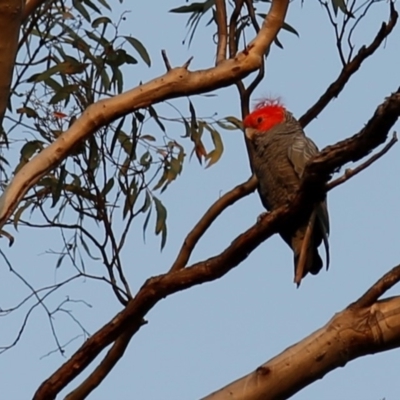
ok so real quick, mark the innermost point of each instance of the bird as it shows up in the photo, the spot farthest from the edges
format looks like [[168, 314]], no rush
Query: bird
[[279, 153]]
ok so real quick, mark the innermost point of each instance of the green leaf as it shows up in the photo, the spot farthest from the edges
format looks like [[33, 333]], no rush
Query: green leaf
[[194, 7], [30, 148], [116, 133], [278, 43], [77, 4], [101, 20], [130, 199], [146, 223], [290, 29], [105, 4], [60, 260], [216, 154], [53, 84], [18, 213], [234, 121], [154, 115], [107, 187], [30, 112], [138, 46], [86, 247], [161, 226], [64, 93], [126, 144], [146, 160], [341, 5]]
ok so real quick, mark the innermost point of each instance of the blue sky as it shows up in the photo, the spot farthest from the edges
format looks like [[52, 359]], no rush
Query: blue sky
[[201, 339]]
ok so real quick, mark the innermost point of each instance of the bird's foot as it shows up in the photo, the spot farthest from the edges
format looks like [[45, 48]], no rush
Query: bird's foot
[[261, 217]]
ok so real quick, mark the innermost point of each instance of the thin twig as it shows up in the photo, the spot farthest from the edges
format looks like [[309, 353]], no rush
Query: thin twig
[[208, 218], [166, 61], [349, 173], [222, 30]]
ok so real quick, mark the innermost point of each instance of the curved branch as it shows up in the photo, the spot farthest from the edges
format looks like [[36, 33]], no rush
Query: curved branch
[[175, 83], [107, 364], [209, 217], [30, 7], [316, 174], [350, 334], [349, 173], [350, 68], [222, 30], [378, 289]]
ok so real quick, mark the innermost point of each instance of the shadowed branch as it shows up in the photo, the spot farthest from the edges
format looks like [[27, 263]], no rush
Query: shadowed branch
[[317, 172], [350, 68]]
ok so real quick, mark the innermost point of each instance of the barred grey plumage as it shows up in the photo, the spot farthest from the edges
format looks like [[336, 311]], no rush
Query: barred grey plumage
[[279, 158]]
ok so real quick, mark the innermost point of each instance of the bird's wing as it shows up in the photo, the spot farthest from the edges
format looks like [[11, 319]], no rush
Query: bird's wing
[[301, 150]]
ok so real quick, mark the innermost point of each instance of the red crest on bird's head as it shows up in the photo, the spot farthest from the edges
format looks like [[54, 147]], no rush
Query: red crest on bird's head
[[266, 114]]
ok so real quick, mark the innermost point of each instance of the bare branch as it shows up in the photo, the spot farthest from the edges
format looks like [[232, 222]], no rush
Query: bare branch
[[317, 172], [349, 69], [107, 364], [350, 334], [378, 289], [175, 83], [222, 30], [10, 21], [209, 217], [30, 7], [349, 173], [232, 27], [166, 61]]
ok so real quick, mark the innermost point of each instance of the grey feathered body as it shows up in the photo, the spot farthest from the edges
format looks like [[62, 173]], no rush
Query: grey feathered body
[[279, 159]]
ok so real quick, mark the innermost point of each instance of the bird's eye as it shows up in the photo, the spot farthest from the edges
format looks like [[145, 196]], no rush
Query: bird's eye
[[259, 120]]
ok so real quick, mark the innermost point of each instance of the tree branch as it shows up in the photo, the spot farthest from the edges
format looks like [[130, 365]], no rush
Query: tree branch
[[222, 30], [209, 217], [349, 173], [175, 83], [349, 69], [350, 334], [10, 22], [316, 173], [30, 7], [107, 364], [378, 289]]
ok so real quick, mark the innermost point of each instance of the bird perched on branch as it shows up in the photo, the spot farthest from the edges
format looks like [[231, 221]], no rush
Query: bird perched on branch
[[280, 151]]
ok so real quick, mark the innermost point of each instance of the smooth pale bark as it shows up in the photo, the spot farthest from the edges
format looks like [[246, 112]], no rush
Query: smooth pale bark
[[175, 83], [11, 12], [350, 334]]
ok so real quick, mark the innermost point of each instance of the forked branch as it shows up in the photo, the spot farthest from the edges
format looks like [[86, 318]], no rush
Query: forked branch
[[175, 83], [317, 172]]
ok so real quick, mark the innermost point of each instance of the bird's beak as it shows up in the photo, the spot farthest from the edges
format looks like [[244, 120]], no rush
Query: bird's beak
[[250, 133]]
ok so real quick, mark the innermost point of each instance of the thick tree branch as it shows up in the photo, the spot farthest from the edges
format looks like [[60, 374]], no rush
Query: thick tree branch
[[175, 83], [350, 68], [209, 217], [31, 6], [350, 334], [10, 22], [317, 172], [107, 364], [222, 30]]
